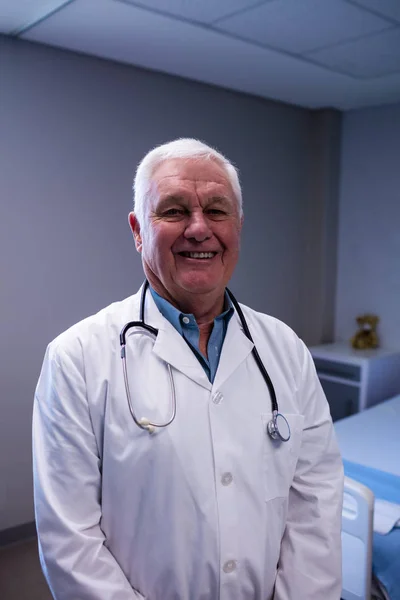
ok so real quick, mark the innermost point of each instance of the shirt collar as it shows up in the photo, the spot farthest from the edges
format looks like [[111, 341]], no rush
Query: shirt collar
[[175, 316]]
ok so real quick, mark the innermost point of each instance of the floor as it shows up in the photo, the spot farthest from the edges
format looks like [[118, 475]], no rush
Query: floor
[[20, 575]]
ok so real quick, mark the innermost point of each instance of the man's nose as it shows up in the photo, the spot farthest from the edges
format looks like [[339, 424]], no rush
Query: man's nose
[[198, 227]]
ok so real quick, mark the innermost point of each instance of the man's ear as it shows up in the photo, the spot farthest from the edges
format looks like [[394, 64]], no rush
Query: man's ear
[[135, 227]]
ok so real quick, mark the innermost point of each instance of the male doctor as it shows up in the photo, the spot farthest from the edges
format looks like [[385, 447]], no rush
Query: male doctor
[[209, 507]]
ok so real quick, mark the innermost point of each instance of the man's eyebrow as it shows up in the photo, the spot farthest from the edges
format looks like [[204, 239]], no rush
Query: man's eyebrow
[[170, 198], [219, 199]]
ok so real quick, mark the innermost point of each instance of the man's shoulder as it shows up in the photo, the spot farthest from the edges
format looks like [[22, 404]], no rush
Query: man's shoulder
[[268, 324], [273, 335], [104, 325]]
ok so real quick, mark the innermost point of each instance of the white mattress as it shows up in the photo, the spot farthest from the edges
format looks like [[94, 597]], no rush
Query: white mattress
[[372, 437]]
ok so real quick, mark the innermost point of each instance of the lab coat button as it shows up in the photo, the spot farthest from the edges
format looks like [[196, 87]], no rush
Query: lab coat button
[[226, 479], [217, 398], [229, 566]]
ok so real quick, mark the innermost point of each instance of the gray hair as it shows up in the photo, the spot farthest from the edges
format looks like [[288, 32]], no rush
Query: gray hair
[[181, 148]]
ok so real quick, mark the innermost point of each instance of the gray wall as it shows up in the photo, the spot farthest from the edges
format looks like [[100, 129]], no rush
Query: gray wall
[[320, 248], [72, 130], [369, 233]]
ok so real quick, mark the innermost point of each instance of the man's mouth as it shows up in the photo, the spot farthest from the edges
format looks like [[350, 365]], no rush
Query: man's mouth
[[198, 255]]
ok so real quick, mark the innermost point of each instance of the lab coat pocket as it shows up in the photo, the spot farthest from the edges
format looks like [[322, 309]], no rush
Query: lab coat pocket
[[280, 458]]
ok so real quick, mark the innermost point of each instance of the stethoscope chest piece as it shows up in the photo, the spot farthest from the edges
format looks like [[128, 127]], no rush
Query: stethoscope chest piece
[[278, 428]]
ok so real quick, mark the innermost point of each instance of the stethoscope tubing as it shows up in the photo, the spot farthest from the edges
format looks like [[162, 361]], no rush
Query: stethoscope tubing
[[257, 357], [144, 423]]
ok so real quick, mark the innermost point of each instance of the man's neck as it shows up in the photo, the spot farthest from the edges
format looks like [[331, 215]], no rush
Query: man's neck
[[204, 307]]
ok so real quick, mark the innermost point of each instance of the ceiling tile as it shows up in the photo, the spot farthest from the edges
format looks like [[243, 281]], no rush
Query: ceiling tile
[[300, 26], [202, 11], [124, 33], [370, 57], [387, 8], [151, 41], [15, 14]]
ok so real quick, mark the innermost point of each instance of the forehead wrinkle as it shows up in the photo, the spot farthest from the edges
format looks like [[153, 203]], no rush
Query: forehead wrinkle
[[191, 174], [181, 182], [188, 178], [173, 186], [201, 188]]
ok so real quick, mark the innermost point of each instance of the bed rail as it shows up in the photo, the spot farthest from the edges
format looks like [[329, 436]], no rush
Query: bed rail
[[357, 530]]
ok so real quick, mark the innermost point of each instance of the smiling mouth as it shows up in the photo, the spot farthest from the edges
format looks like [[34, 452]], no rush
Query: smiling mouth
[[198, 255]]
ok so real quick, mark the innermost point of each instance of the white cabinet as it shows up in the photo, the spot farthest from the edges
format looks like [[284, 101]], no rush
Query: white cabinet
[[356, 379]]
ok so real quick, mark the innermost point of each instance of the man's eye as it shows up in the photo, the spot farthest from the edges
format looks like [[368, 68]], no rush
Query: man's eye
[[215, 211], [173, 212]]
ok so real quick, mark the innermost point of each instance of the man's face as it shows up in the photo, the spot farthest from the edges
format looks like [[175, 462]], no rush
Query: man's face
[[191, 232]]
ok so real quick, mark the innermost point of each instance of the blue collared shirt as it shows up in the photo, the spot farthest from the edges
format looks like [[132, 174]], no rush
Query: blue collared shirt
[[187, 326]]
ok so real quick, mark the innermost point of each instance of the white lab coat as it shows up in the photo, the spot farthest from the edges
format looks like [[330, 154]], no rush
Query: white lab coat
[[209, 508]]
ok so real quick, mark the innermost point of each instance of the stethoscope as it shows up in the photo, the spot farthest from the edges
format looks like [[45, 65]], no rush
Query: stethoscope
[[278, 427]]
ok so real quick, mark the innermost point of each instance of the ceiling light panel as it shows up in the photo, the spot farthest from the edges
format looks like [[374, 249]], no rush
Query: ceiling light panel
[[387, 8], [368, 58], [301, 26], [201, 11]]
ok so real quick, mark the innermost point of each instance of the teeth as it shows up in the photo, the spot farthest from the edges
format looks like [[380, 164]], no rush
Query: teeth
[[199, 254]]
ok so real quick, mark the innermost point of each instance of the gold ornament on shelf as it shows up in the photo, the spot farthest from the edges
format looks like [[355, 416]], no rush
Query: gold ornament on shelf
[[366, 336]]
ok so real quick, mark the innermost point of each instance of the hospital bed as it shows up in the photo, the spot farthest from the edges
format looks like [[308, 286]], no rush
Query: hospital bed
[[370, 446]]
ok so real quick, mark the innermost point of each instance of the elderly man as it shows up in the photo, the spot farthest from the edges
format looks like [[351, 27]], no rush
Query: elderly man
[[177, 479]]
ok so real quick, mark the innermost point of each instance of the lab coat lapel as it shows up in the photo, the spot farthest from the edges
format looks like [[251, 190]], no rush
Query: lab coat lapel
[[235, 350], [172, 348]]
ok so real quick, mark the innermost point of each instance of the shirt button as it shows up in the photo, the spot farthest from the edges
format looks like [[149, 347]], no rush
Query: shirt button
[[226, 479], [186, 320], [229, 566], [217, 398]]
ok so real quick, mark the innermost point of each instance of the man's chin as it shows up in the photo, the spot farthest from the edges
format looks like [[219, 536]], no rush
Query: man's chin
[[198, 285]]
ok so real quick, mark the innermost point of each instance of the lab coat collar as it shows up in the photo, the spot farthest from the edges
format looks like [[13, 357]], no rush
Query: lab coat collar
[[235, 350], [172, 348]]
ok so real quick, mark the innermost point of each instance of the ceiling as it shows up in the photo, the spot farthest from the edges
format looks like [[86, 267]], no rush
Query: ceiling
[[314, 53]]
